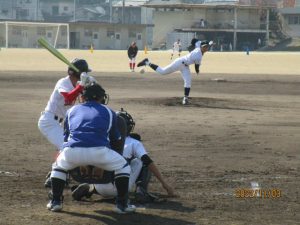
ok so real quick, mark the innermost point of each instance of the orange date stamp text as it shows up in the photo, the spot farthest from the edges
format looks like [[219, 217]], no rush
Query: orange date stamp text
[[257, 193]]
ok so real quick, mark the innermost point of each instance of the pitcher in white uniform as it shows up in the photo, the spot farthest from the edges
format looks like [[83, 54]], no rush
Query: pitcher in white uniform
[[182, 64]]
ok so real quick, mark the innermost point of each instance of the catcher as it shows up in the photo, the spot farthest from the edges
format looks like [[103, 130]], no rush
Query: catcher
[[141, 168], [91, 132]]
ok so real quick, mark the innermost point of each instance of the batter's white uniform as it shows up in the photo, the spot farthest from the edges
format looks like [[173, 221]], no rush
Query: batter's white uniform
[[50, 121], [133, 150], [182, 64]]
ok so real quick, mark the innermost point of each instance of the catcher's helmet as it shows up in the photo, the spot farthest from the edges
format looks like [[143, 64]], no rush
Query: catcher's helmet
[[94, 91], [81, 65], [129, 120]]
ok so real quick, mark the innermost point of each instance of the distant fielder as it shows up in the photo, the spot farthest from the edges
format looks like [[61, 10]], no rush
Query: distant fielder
[[132, 52], [182, 64], [176, 48]]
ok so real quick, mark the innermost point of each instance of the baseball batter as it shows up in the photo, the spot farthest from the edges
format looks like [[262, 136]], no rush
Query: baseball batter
[[132, 52], [182, 64], [64, 95], [140, 163], [90, 130], [176, 48]]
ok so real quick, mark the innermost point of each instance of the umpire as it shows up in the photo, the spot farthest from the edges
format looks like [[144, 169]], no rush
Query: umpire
[[90, 129]]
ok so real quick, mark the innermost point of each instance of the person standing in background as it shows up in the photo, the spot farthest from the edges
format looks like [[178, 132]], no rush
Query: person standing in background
[[176, 48], [132, 52]]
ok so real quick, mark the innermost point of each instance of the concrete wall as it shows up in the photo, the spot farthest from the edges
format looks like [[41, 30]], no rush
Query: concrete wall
[[105, 36], [166, 21], [47, 7], [293, 31]]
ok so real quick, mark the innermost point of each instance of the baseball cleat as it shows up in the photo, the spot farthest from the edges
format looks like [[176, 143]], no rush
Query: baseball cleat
[[83, 190], [143, 63], [185, 101], [120, 209], [55, 206]]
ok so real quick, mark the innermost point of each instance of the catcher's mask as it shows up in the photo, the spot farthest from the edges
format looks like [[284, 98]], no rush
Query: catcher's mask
[[81, 65], [129, 120], [94, 92]]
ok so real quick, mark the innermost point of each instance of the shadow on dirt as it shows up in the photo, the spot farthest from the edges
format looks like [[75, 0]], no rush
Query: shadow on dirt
[[196, 102], [111, 218]]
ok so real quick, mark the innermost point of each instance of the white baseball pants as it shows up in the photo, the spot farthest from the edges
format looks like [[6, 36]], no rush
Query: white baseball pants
[[51, 129], [101, 157], [132, 60], [109, 190], [178, 65]]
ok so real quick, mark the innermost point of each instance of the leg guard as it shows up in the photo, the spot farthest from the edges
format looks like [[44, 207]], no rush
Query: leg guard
[[143, 179]]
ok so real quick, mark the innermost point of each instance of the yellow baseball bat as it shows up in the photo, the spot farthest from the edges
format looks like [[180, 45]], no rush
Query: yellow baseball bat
[[56, 53]]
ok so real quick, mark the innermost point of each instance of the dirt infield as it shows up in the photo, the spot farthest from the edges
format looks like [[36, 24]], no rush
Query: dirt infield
[[241, 127]]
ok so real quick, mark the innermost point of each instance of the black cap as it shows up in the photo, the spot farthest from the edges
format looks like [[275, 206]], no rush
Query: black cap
[[81, 65], [206, 43]]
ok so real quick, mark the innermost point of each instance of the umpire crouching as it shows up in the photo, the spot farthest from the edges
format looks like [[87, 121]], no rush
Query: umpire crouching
[[89, 129]]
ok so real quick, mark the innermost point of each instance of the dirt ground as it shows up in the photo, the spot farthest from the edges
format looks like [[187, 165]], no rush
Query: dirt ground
[[238, 129]]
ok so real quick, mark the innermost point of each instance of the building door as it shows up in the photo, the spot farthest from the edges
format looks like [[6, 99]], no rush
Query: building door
[[25, 39], [55, 10], [118, 41], [49, 36], [74, 40], [96, 42], [139, 41]]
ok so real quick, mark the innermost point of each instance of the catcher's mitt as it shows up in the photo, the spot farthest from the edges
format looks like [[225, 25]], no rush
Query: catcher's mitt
[[91, 175]]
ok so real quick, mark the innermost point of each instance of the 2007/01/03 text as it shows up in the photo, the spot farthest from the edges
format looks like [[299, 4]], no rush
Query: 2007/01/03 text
[[258, 193]]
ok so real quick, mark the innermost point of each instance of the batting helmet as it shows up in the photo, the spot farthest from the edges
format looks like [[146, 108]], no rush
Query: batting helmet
[[81, 65], [129, 120], [94, 91]]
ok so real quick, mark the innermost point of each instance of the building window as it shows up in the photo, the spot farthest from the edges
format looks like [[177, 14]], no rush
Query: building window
[[41, 31], [118, 36], [132, 34], [17, 31], [22, 13], [49, 35], [139, 37], [4, 12], [294, 20], [110, 33], [66, 8], [88, 33], [95, 36], [55, 10], [63, 33]]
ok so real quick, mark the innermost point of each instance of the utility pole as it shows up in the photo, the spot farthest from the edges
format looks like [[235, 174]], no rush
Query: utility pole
[[123, 7], [37, 10], [110, 11], [74, 11]]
